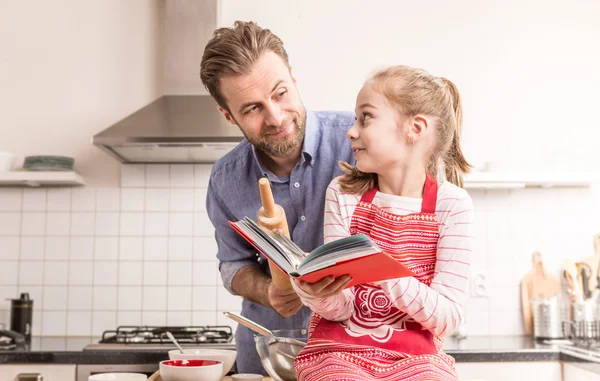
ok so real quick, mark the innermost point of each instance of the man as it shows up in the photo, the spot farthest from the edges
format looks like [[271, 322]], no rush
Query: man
[[246, 70]]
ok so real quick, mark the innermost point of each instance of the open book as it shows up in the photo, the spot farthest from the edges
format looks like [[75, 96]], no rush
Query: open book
[[356, 256]]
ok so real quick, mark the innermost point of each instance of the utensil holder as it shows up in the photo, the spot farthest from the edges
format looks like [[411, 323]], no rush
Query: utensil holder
[[583, 327], [548, 318]]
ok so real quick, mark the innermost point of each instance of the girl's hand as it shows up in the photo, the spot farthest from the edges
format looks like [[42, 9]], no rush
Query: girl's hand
[[325, 288]]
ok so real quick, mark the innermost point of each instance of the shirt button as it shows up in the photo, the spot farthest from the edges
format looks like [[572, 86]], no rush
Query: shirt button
[[296, 185], [303, 218]]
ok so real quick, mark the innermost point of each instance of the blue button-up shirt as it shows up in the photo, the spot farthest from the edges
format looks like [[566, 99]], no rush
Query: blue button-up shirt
[[233, 194]]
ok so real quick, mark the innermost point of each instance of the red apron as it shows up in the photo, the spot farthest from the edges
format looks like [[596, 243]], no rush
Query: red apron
[[379, 341]]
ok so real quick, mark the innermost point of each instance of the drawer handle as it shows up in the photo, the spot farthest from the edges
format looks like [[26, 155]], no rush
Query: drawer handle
[[29, 377]]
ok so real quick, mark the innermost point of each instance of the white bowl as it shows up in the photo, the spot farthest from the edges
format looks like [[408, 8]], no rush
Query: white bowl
[[118, 377], [7, 160], [227, 356], [191, 370]]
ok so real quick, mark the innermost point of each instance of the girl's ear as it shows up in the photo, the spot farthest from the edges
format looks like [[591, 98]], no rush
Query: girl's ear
[[417, 128]]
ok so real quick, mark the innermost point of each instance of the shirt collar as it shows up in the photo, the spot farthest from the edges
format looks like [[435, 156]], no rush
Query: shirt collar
[[312, 134]]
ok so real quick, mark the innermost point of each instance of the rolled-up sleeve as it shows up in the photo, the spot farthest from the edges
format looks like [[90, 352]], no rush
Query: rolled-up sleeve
[[233, 251]]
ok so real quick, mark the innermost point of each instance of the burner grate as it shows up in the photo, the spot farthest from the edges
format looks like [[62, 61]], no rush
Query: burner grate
[[157, 335]]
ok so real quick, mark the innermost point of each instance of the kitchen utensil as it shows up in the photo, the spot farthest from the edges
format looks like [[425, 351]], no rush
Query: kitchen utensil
[[260, 329], [191, 370], [246, 377], [548, 318], [170, 336], [584, 273], [156, 377], [537, 284], [21, 315], [277, 356], [227, 356], [272, 216], [277, 349], [118, 377], [571, 270], [7, 160], [570, 286], [594, 263]]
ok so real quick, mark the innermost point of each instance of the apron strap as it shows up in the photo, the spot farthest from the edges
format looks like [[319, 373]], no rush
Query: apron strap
[[429, 195], [369, 195]]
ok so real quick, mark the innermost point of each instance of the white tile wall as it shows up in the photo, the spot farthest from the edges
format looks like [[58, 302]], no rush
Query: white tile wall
[[94, 258], [145, 253]]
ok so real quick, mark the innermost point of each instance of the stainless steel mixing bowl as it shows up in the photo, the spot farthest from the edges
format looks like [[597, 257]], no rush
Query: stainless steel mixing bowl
[[278, 352]]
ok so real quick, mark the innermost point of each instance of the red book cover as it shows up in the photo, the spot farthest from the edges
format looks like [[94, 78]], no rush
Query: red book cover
[[370, 268]]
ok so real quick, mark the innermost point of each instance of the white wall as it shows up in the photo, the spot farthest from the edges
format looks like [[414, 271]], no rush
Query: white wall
[[527, 70], [69, 69]]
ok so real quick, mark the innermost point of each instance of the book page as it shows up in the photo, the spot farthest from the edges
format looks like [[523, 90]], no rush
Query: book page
[[271, 245], [338, 251]]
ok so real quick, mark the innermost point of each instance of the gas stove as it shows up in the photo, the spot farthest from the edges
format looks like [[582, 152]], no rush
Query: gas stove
[[152, 338], [10, 339]]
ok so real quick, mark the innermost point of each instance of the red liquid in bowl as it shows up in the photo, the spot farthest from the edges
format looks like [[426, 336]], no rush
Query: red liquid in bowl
[[190, 363]]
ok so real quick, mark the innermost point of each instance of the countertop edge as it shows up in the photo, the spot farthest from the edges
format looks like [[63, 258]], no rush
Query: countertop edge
[[153, 357]]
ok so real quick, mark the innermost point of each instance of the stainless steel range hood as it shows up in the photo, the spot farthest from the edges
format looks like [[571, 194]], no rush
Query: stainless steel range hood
[[184, 125], [172, 129]]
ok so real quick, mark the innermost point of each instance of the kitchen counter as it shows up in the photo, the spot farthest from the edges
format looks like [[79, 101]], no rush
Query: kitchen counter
[[69, 350]]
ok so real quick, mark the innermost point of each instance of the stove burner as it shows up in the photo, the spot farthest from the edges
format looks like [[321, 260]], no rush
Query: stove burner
[[6, 343], [157, 335], [11, 339]]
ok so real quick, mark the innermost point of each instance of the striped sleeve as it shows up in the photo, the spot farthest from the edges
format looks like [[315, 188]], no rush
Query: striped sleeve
[[340, 306], [440, 306]]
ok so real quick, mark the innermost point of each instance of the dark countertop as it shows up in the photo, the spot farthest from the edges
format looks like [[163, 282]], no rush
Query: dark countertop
[[69, 350]]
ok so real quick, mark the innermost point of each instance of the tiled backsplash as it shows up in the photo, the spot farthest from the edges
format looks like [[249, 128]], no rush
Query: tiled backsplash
[[92, 259]]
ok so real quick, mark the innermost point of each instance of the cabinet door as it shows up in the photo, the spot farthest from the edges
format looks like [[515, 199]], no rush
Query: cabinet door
[[514, 371], [9, 372], [581, 372]]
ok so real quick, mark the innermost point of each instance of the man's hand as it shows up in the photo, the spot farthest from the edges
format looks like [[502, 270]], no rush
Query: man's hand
[[325, 288], [285, 302]]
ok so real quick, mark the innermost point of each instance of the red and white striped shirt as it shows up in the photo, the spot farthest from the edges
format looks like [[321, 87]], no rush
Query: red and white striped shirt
[[439, 307]]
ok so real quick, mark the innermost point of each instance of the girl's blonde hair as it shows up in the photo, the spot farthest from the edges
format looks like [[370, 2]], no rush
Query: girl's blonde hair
[[415, 91]]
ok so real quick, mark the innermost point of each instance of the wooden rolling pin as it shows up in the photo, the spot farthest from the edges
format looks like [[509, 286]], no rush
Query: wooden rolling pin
[[272, 216]]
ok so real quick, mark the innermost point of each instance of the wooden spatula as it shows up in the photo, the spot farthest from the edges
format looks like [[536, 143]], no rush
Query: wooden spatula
[[537, 284], [155, 376]]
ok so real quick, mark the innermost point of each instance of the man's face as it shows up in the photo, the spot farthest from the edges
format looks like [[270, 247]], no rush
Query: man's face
[[265, 104]]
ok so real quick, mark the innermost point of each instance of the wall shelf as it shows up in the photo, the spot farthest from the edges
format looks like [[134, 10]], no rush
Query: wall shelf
[[515, 180], [38, 179]]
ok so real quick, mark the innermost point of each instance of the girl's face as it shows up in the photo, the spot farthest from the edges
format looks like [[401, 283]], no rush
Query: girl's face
[[378, 136]]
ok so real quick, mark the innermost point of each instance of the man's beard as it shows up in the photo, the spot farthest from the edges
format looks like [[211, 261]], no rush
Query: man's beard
[[282, 146]]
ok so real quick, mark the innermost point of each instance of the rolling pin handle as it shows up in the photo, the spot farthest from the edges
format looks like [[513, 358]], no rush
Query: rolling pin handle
[[266, 197]]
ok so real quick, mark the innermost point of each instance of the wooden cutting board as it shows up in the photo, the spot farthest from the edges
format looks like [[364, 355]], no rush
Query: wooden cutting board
[[594, 262], [537, 284]]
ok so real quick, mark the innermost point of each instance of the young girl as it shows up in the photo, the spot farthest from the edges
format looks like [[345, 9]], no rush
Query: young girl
[[406, 135]]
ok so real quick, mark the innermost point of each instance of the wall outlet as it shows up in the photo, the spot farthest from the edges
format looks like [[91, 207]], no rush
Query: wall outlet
[[479, 285]]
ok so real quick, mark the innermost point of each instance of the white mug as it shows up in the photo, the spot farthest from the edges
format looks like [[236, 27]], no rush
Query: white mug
[[118, 377]]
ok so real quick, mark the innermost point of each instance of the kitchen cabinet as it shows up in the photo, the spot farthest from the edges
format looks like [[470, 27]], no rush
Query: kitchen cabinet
[[514, 371], [580, 372], [50, 372]]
